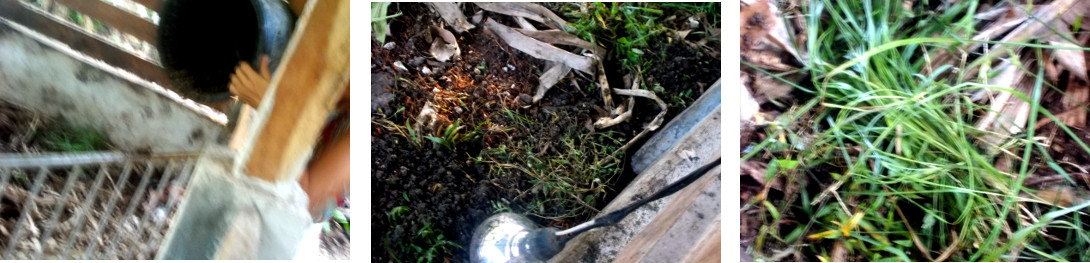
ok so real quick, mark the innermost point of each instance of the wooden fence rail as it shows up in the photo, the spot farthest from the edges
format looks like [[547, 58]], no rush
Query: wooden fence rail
[[94, 46]]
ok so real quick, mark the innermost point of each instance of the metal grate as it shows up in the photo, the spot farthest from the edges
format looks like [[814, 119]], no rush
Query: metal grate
[[89, 206]]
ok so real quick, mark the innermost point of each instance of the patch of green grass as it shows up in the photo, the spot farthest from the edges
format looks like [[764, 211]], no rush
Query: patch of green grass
[[70, 138], [428, 244], [435, 245], [896, 139], [574, 175], [625, 28], [405, 130], [451, 137]]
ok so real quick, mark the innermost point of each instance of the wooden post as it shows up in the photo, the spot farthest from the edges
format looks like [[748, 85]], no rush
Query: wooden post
[[307, 86], [115, 17]]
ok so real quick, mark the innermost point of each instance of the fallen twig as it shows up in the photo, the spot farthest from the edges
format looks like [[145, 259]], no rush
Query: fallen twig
[[912, 234]]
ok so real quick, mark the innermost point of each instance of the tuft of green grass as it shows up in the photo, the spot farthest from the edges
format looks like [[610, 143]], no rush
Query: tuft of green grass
[[571, 178], [70, 138], [436, 245], [451, 137], [881, 137], [625, 28]]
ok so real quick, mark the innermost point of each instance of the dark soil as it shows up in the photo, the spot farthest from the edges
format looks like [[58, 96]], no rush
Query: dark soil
[[445, 190]]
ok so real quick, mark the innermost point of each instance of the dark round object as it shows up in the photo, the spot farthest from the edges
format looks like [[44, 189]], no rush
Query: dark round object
[[201, 42]]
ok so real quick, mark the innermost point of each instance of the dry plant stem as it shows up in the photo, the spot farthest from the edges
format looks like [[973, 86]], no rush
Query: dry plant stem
[[603, 83], [840, 252], [1049, 179], [912, 233], [1029, 28], [949, 250]]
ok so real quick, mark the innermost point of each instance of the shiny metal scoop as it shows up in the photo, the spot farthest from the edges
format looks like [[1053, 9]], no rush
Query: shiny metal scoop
[[510, 237]]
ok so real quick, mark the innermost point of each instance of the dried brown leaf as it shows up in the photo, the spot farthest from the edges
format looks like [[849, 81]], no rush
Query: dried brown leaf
[[530, 11], [749, 107], [550, 78], [1070, 118], [1071, 59], [1006, 116], [766, 59], [540, 49], [559, 37], [767, 88], [1060, 195], [1081, 8], [443, 46], [754, 23], [452, 14], [780, 34], [1069, 55], [760, 22], [758, 171]]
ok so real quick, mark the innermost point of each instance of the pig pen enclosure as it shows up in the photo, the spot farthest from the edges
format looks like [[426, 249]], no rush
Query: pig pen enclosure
[[466, 124], [82, 176], [96, 147]]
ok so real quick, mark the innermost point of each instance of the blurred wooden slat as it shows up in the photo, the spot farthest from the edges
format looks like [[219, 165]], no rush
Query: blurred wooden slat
[[156, 5], [708, 248], [653, 237], [80, 41], [115, 17], [317, 59]]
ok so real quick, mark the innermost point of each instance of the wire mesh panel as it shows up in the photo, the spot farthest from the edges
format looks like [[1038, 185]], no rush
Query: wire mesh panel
[[89, 206]]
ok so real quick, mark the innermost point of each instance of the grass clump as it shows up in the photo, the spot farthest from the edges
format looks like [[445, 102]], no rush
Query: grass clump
[[450, 137], [70, 138], [429, 243], [628, 29], [568, 177], [894, 168]]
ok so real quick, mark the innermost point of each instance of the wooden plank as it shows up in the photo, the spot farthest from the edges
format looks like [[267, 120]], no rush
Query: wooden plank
[[156, 5], [242, 126], [650, 237], [669, 134], [90, 45], [297, 5], [122, 20], [702, 142], [708, 248], [307, 86]]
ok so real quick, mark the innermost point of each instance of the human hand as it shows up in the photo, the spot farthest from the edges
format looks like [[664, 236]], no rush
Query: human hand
[[248, 84]]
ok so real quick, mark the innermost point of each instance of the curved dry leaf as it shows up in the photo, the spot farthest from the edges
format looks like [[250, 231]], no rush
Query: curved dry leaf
[[749, 107], [992, 14], [540, 49], [1007, 116], [443, 45], [558, 37], [525, 25], [754, 27], [1060, 195], [528, 10], [450, 12], [1072, 58], [766, 88], [780, 35], [766, 59], [442, 51], [1081, 8], [550, 78]]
